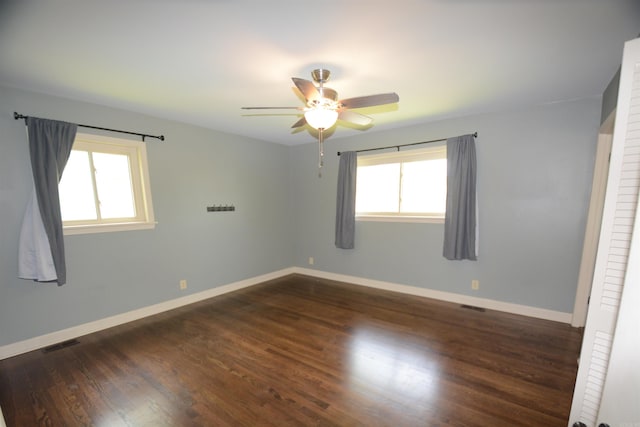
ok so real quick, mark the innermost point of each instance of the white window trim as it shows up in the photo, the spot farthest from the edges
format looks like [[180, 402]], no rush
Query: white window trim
[[399, 218], [70, 230], [433, 152], [148, 220]]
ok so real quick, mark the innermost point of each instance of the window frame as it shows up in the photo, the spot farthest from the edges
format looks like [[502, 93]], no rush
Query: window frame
[[136, 151], [435, 151]]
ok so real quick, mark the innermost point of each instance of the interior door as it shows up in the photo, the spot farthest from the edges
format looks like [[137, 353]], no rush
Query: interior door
[[607, 389], [620, 404]]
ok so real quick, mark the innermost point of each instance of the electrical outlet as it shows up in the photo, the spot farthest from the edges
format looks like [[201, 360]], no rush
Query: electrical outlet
[[475, 285], [183, 284], [311, 261]]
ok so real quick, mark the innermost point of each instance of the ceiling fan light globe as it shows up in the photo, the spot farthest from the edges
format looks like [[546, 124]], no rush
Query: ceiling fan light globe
[[321, 118]]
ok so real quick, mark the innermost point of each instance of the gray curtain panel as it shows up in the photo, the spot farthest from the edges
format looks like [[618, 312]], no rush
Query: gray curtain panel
[[460, 217], [346, 201], [50, 145]]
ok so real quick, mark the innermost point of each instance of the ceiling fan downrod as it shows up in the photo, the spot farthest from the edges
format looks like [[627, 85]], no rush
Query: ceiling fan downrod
[[321, 76]]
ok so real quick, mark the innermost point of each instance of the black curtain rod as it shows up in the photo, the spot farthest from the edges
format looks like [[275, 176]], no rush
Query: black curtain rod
[[397, 147], [143, 135]]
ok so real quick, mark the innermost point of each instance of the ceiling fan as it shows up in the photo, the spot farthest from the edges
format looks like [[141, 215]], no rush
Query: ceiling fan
[[323, 108]]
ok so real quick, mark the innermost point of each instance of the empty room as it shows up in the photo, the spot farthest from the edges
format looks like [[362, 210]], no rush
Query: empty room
[[237, 213]]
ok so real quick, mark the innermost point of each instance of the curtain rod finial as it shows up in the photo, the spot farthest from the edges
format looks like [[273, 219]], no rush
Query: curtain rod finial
[[18, 116]]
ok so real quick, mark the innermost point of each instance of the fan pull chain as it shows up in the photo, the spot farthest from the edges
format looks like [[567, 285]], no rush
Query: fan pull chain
[[320, 134], [320, 152]]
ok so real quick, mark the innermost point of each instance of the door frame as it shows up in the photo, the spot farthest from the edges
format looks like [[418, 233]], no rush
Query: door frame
[[594, 221]]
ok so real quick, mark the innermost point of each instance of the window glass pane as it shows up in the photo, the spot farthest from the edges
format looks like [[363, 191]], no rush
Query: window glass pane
[[424, 186], [377, 188], [76, 189], [113, 182]]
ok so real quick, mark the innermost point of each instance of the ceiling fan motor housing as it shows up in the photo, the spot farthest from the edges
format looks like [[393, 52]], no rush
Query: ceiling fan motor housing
[[328, 98]]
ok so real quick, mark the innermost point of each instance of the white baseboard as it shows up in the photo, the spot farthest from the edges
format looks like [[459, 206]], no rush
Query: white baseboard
[[489, 304], [35, 343]]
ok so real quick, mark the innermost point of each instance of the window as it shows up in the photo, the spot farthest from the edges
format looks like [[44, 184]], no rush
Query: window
[[407, 185], [105, 186]]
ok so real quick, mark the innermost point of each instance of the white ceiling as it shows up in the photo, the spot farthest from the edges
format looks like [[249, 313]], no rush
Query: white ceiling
[[199, 61]]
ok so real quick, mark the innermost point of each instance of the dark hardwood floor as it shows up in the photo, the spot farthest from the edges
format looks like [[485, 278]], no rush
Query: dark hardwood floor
[[301, 351]]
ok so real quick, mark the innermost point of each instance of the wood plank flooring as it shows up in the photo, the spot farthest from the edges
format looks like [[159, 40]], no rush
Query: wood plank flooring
[[302, 351]]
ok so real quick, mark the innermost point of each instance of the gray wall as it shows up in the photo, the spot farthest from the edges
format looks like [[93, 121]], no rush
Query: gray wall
[[610, 97], [113, 273], [535, 169]]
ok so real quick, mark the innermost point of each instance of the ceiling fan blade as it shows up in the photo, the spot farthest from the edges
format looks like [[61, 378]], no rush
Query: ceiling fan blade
[[308, 89], [370, 100], [271, 108], [355, 118], [299, 123]]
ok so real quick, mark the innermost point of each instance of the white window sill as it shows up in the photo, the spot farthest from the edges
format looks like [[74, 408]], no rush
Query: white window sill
[[385, 218], [107, 228]]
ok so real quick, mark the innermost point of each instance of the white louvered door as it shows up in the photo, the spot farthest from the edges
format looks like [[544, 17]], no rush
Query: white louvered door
[[600, 396]]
